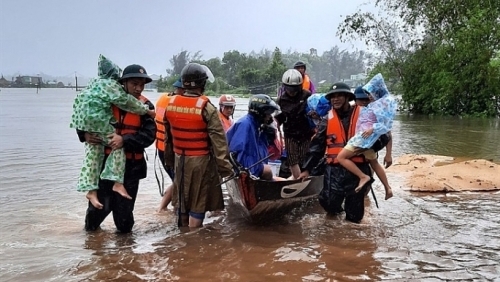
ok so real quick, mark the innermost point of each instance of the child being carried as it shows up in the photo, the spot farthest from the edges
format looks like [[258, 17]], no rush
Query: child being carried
[[92, 113]]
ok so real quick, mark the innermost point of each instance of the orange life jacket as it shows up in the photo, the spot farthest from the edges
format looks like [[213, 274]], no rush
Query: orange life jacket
[[161, 106], [188, 128], [335, 136], [226, 122], [128, 123], [306, 84]]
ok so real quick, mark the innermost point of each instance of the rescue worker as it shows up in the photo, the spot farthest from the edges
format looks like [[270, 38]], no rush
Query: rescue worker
[[307, 84], [296, 128], [161, 105], [332, 135], [227, 104], [250, 137], [133, 133], [196, 145]]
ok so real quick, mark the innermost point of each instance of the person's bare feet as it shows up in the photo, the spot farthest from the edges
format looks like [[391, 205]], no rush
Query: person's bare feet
[[388, 193], [92, 197], [362, 182], [120, 189]]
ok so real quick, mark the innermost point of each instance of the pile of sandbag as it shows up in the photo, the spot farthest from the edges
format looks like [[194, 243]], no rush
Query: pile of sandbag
[[432, 173]]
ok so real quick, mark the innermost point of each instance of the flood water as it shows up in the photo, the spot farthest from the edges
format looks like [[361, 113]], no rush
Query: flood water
[[411, 237]]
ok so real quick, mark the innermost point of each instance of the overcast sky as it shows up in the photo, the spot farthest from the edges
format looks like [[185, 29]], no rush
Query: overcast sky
[[59, 37]]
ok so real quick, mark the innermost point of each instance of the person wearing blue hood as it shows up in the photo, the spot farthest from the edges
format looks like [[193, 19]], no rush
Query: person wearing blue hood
[[317, 108], [375, 120], [250, 136], [161, 106]]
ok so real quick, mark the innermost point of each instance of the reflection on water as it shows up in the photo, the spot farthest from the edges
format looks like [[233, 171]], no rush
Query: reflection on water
[[431, 237]]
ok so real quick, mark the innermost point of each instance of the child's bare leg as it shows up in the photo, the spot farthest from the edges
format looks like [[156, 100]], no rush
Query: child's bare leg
[[120, 189], [167, 197], [379, 170], [344, 160], [92, 197]]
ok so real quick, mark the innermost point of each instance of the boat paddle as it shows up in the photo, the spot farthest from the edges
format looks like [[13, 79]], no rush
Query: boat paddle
[[375, 198], [241, 168]]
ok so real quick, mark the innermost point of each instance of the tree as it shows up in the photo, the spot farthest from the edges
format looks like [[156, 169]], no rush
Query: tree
[[261, 72], [277, 68], [441, 52], [180, 60]]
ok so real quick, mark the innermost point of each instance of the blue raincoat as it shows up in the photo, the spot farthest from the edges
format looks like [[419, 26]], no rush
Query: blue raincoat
[[249, 143], [378, 115], [319, 104]]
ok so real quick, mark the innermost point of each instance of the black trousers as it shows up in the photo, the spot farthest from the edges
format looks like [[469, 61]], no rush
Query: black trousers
[[121, 207], [338, 188]]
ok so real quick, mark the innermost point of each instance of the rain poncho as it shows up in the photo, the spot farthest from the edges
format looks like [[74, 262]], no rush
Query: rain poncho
[[92, 113], [92, 106], [378, 115], [249, 143], [311, 87], [320, 105], [275, 146]]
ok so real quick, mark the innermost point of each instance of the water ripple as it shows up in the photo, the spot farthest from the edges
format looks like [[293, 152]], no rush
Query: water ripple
[[411, 237]]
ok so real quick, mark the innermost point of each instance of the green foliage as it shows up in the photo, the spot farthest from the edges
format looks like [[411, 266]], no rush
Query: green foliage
[[323, 88], [166, 84], [442, 55], [241, 73], [180, 60], [275, 71], [244, 74], [495, 62]]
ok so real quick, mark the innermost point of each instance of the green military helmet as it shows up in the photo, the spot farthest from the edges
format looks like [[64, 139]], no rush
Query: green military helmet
[[135, 71], [340, 87]]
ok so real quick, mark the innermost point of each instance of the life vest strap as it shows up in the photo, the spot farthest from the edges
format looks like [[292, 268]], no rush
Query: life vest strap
[[204, 130]]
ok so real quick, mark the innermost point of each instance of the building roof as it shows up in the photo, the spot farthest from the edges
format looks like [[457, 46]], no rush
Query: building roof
[[154, 76]]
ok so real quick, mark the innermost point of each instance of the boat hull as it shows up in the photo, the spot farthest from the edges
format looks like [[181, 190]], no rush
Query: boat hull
[[259, 197]]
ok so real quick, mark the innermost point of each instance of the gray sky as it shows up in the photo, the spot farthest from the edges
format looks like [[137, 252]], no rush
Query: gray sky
[[59, 37]]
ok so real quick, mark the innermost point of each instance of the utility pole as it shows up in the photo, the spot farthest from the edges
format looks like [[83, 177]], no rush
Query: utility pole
[[76, 82], [38, 86]]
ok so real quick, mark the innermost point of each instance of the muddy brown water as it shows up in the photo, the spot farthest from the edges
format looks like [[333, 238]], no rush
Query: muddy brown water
[[411, 237]]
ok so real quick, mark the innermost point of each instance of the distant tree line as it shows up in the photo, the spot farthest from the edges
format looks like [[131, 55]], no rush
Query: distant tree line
[[261, 72], [30, 82], [442, 56]]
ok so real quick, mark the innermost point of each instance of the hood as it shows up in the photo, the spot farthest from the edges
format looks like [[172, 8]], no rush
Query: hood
[[376, 87]]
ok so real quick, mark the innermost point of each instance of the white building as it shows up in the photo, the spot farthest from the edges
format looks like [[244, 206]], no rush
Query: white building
[[359, 76], [153, 84]]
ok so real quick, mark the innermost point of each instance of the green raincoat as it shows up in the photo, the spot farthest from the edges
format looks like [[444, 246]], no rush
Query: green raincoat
[[92, 113]]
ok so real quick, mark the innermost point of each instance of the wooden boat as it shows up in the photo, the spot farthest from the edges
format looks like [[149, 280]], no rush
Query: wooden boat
[[255, 198]]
